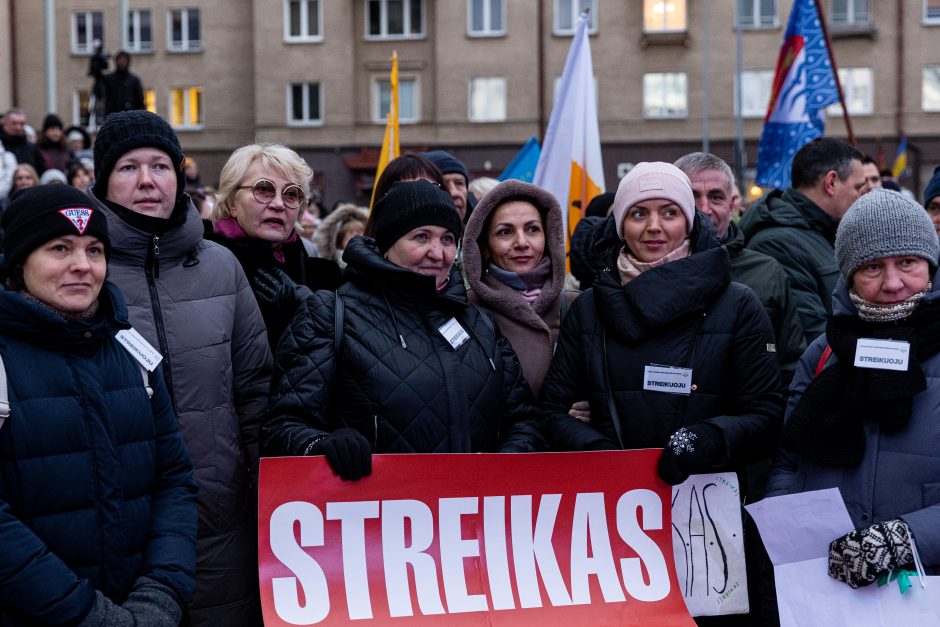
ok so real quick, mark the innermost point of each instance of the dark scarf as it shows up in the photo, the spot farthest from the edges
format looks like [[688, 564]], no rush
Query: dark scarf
[[827, 425]]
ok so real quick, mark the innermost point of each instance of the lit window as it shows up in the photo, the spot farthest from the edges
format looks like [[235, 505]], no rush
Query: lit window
[[665, 95], [302, 20], [755, 95], [87, 28], [757, 13], [183, 30], [150, 100], [486, 18], [488, 99], [139, 31], [80, 113], [567, 12], [932, 11], [930, 99], [394, 19], [664, 16], [303, 104], [849, 12], [186, 107], [857, 86], [407, 99]]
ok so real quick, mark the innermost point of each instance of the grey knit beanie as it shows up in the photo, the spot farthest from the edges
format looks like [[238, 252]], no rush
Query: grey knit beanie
[[883, 223]]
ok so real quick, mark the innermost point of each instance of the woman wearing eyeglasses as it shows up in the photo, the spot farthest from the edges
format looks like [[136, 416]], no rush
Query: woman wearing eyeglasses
[[263, 189]]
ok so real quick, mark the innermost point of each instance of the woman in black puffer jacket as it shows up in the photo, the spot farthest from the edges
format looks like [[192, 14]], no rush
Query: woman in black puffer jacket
[[670, 353], [418, 370]]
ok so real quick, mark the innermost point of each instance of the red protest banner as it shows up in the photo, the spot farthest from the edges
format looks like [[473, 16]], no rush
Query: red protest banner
[[486, 539]]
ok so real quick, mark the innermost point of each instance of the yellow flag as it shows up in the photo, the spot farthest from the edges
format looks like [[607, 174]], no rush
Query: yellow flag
[[390, 145]]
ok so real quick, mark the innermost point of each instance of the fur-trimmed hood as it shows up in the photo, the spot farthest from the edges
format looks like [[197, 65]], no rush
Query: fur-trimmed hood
[[330, 227]]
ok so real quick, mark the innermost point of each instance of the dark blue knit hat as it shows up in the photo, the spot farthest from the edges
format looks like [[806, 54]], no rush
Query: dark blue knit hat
[[447, 163], [933, 187]]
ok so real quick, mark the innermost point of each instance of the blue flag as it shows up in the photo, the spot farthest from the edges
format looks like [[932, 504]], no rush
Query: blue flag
[[804, 85], [522, 166]]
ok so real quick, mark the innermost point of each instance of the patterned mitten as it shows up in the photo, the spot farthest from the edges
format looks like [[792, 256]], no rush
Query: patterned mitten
[[859, 557]]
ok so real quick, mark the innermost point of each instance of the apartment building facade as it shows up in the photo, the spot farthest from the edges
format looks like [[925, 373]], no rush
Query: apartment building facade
[[477, 77]]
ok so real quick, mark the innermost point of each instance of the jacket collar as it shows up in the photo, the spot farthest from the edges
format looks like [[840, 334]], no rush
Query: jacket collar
[[131, 244]]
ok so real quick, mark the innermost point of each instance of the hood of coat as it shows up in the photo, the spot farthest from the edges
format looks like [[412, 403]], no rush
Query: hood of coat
[[666, 293], [787, 208], [495, 294], [131, 245], [330, 227], [367, 266]]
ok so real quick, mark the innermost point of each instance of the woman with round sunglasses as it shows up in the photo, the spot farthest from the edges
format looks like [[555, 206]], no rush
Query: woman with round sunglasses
[[263, 190]]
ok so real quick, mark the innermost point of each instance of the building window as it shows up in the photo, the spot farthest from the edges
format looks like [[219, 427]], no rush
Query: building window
[[857, 87], [488, 99], [408, 109], [139, 31], [849, 12], [150, 100], [183, 30], [80, 112], [930, 99], [87, 27], [931, 11], [664, 16], [394, 19], [486, 18], [755, 95], [757, 13], [302, 20], [186, 107], [567, 12], [665, 95], [304, 104]]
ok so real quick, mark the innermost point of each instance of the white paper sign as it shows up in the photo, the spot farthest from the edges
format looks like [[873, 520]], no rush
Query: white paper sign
[[667, 379], [882, 354], [708, 544], [139, 348], [453, 333]]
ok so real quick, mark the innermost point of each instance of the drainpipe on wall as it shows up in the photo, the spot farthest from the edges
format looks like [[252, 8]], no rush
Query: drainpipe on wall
[[49, 36], [122, 24], [899, 73], [540, 33]]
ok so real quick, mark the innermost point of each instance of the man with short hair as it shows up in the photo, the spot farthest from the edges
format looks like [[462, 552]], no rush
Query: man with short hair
[[715, 195], [456, 178], [872, 173], [123, 90], [13, 137], [797, 226]]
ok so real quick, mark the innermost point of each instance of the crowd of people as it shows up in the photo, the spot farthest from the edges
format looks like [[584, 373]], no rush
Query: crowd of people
[[155, 349]]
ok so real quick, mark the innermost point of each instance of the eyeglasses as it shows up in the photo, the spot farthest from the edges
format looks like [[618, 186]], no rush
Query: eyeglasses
[[264, 192]]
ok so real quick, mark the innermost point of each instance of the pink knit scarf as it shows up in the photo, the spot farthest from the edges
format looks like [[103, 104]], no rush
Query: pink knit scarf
[[630, 267]]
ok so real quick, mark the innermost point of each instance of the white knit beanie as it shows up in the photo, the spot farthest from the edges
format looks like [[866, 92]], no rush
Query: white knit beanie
[[654, 179]]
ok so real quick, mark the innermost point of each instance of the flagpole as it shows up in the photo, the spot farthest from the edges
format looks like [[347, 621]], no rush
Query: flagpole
[[835, 71]]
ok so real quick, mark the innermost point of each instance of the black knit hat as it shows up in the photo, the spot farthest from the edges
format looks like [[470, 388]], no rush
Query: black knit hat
[[51, 121], [37, 215], [410, 204], [127, 130]]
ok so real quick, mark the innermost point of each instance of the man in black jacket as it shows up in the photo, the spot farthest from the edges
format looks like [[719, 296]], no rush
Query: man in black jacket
[[715, 196], [13, 137], [123, 90]]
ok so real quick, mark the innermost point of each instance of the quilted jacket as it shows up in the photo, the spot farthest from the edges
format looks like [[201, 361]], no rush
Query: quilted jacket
[[686, 313], [397, 379], [189, 298], [96, 487]]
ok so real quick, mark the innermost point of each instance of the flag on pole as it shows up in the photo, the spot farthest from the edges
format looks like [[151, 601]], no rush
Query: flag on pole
[[390, 146], [900, 161], [804, 85], [522, 166], [570, 165]]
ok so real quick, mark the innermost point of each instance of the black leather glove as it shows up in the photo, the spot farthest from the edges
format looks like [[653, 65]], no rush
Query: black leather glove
[[691, 450], [348, 452], [276, 289], [861, 556]]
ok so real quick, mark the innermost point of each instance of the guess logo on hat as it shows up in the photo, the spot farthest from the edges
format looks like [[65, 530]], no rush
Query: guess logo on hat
[[79, 217]]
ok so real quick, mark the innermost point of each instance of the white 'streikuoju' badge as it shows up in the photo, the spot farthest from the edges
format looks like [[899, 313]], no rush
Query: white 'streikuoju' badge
[[453, 333], [882, 354], [667, 379], [139, 348]]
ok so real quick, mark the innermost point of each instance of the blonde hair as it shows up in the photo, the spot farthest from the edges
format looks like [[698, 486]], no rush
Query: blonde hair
[[288, 164]]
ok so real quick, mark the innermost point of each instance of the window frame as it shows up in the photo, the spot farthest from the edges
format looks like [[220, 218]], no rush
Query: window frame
[[576, 9], [667, 31], [935, 69], [186, 44], [88, 48], [133, 25], [505, 103], [408, 32], [198, 126], [678, 116], [376, 105], [303, 37], [753, 114], [306, 120], [850, 21], [755, 12], [931, 21], [488, 30]]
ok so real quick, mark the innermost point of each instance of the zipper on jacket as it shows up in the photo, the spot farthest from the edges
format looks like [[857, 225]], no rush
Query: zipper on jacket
[[152, 272]]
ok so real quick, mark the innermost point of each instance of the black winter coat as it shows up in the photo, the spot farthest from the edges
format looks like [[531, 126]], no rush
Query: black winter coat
[[396, 379], [688, 314]]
